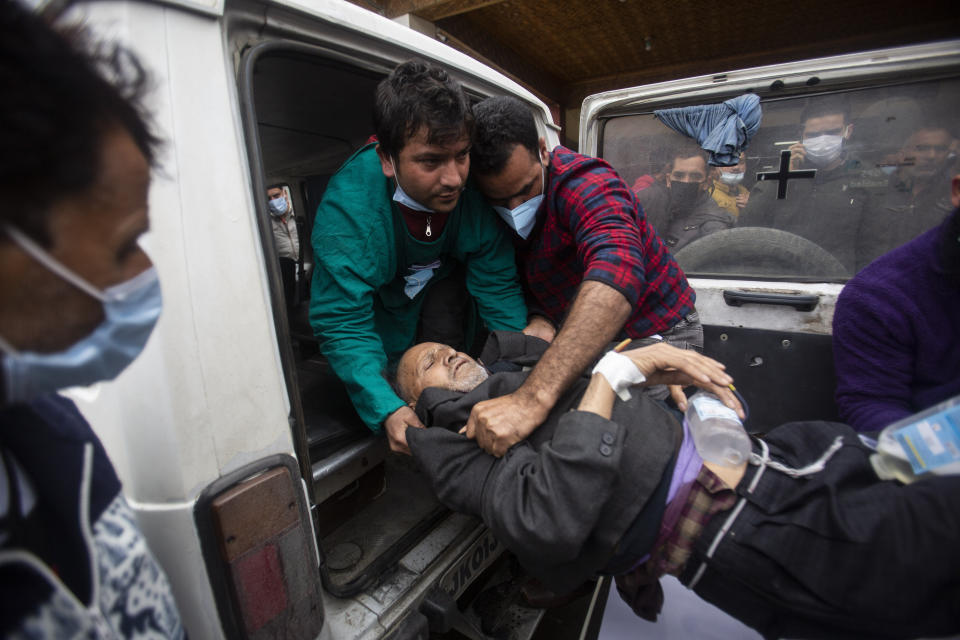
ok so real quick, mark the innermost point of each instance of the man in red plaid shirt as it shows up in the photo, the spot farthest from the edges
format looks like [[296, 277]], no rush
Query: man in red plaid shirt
[[590, 264]]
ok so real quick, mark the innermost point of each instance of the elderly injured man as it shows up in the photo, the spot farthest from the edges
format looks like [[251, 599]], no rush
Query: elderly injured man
[[804, 541]]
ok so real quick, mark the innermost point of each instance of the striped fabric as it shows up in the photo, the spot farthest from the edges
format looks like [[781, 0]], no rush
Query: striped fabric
[[594, 229]]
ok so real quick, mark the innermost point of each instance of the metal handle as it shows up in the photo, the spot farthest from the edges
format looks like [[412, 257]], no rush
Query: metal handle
[[799, 301]]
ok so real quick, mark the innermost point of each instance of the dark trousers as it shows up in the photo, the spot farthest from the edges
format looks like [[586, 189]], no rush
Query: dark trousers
[[686, 334], [288, 271], [836, 554]]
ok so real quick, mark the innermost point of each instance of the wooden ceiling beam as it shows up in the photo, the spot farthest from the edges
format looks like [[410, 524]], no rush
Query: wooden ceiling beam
[[433, 10], [484, 46], [454, 8], [543, 85]]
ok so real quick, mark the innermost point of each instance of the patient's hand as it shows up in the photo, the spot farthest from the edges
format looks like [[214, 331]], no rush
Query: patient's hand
[[396, 427], [540, 327], [500, 423], [664, 364]]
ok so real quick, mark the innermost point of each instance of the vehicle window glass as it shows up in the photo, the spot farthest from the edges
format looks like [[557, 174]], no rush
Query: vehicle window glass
[[868, 170]]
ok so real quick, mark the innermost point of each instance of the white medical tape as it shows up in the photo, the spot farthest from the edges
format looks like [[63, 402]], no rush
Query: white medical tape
[[620, 372]]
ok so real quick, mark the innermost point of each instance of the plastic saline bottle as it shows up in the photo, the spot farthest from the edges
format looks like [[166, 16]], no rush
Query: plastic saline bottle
[[922, 444], [717, 432]]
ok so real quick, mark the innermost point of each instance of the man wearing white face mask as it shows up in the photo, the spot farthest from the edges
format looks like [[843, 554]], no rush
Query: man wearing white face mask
[[727, 189], [588, 257], [396, 222], [827, 209], [285, 239], [79, 301]]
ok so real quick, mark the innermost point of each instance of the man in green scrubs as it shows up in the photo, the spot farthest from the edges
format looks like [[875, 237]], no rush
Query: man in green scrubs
[[397, 218]]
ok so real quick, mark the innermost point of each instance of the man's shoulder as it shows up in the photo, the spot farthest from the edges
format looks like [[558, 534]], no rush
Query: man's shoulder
[[359, 179], [654, 201], [567, 162], [710, 210], [363, 160], [893, 280], [655, 192], [576, 179], [49, 437], [49, 416], [355, 216]]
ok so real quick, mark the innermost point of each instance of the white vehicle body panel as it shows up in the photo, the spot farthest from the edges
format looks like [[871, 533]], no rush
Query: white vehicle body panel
[[207, 396]]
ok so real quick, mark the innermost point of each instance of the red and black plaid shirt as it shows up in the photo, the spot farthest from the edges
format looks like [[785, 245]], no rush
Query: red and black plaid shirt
[[594, 229]]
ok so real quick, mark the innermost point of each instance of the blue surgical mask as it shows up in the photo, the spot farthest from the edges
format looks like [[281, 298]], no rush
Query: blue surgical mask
[[400, 196], [278, 206], [420, 275], [131, 310], [523, 217]]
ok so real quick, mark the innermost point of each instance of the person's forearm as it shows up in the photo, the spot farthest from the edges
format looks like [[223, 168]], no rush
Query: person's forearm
[[598, 313], [598, 398]]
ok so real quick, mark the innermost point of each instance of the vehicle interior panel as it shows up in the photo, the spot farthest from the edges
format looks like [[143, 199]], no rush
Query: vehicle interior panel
[[312, 114], [783, 376], [358, 551]]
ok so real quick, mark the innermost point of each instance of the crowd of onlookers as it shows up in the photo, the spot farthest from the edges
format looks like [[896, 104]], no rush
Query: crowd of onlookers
[[855, 209]]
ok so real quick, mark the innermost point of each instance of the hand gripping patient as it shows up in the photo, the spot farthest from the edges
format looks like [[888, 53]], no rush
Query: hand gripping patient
[[804, 541]]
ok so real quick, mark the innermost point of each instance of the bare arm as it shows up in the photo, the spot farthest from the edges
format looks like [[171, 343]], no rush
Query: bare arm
[[598, 398], [597, 314]]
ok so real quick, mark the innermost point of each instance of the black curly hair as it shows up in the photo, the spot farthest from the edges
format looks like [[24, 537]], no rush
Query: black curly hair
[[501, 123], [416, 95], [60, 94]]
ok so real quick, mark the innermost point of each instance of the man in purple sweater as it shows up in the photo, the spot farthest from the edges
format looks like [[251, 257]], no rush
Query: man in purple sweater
[[896, 330]]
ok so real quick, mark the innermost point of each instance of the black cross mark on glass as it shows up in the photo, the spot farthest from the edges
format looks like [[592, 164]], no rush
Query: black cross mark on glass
[[785, 174]]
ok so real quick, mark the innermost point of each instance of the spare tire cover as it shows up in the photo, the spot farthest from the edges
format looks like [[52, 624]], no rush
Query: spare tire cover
[[759, 252]]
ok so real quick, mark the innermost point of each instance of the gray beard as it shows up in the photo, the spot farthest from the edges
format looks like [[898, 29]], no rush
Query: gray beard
[[469, 383]]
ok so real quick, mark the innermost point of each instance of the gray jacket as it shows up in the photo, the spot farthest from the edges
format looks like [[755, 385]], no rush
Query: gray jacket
[[826, 210], [680, 228], [563, 500]]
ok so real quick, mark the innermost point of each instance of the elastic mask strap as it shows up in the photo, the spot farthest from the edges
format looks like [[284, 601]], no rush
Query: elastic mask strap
[[40, 255]]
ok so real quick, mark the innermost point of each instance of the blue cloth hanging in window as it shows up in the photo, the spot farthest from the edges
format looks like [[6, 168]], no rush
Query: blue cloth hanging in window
[[723, 130]]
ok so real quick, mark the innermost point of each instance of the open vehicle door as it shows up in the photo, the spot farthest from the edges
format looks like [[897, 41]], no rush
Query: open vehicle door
[[273, 509], [767, 286]]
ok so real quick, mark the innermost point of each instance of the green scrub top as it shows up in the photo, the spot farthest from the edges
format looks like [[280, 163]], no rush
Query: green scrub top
[[359, 311]]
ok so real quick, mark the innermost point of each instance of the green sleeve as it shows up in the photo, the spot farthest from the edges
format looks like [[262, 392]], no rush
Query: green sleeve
[[492, 268], [342, 316], [353, 254]]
